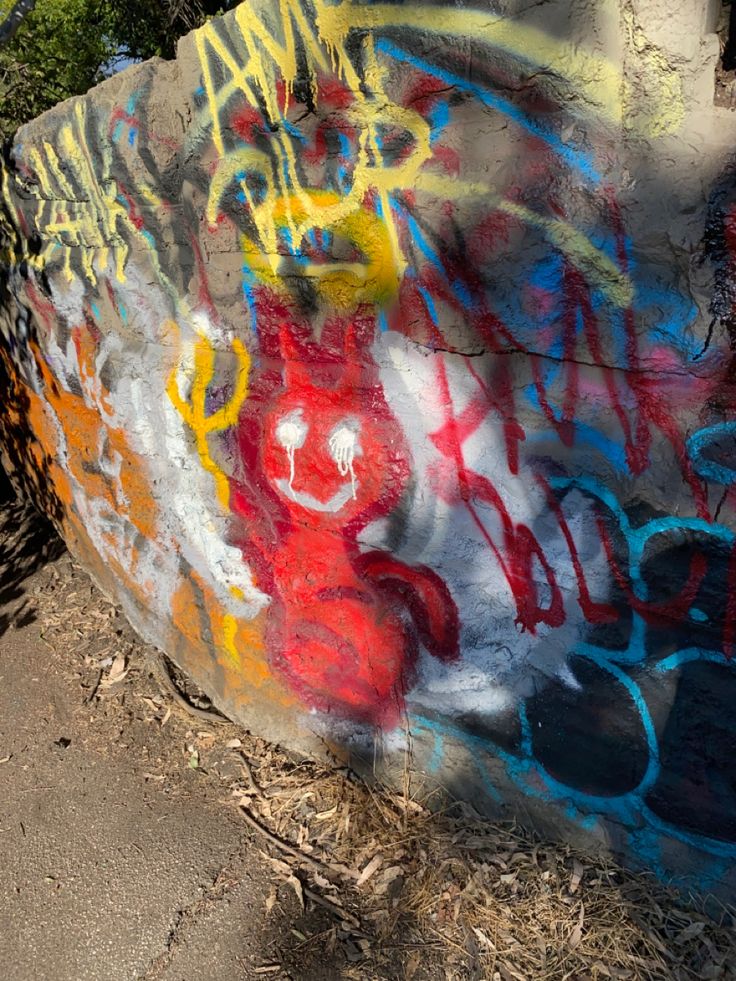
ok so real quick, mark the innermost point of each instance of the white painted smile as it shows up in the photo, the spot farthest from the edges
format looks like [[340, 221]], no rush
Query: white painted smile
[[338, 499]]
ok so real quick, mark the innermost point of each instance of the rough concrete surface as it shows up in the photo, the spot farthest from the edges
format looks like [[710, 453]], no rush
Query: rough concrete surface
[[378, 359], [117, 859]]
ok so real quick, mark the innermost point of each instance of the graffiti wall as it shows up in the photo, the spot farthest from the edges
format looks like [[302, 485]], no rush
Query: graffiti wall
[[378, 358]]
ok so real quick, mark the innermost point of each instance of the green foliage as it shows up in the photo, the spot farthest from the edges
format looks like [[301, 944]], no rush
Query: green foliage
[[144, 28], [64, 46], [58, 51]]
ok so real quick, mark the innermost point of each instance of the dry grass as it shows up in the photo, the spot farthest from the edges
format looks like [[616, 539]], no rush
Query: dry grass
[[409, 889], [490, 900]]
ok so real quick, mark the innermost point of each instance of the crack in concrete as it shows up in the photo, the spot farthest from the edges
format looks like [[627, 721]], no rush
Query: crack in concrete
[[184, 919], [511, 351]]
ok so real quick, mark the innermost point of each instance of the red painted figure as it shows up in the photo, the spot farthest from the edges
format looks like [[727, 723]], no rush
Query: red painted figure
[[344, 625]]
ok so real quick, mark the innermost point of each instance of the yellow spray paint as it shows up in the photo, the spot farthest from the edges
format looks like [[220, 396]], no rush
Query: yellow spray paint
[[194, 411], [269, 39], [343, 285]]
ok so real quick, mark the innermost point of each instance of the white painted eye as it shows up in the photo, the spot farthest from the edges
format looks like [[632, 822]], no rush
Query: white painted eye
[[343, 445], [291, 432]]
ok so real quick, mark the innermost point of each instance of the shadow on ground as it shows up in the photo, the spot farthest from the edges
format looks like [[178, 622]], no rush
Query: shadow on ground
[[27, 542]]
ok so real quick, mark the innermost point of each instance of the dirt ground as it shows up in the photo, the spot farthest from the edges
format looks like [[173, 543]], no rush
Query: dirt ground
[[140, 840], [118, 857]]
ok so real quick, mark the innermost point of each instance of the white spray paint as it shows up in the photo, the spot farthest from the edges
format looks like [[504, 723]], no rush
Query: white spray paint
[[343, 444], [500, 664], [291, 433]]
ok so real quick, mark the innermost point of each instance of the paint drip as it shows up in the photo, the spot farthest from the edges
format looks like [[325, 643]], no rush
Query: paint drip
[[342, 446]]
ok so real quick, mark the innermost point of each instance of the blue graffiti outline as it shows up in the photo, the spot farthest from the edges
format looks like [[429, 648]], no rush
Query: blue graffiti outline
[[576, 159], [709, 469], [630, 809]]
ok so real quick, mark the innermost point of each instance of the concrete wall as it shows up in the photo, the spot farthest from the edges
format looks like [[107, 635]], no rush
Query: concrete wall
[[378, 358]]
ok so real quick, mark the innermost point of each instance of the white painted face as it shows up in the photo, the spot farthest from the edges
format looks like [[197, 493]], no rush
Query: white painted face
[[343, 445]]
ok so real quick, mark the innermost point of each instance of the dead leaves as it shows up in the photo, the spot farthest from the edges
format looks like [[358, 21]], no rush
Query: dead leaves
[[481, 901], [291, 880], [367, 872], [577, 933], [577, 876], [117, 673]]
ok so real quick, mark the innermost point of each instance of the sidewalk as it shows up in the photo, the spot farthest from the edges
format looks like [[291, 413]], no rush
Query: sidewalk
[[117, 860]]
